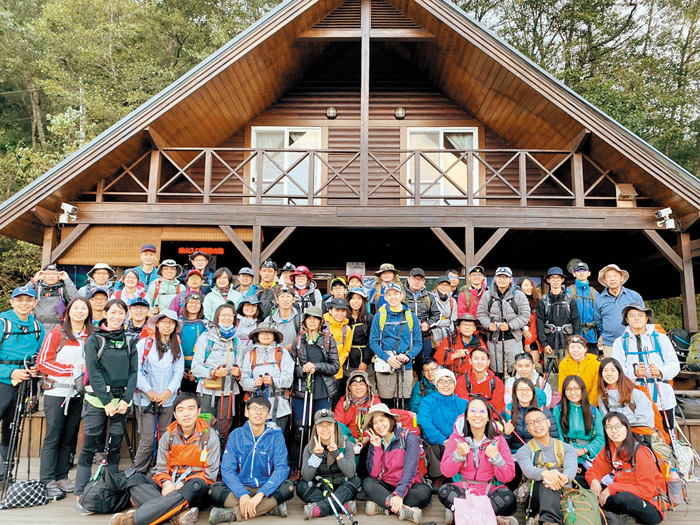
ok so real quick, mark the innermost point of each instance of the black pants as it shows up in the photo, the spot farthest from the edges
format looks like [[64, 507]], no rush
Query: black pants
[[61, 436], [545, 502], [514, 483], [417, 496], [156, 508], [309, 492], [8, 398], [433, 453], [669, 414], [502, 498], [627, 503]]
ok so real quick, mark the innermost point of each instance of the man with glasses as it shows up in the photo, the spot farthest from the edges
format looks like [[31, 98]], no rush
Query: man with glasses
[[422, 304], [504, 311], [550, 463], [425, 385], [453, 276], [254, 470], [470, 294], [54, 290]]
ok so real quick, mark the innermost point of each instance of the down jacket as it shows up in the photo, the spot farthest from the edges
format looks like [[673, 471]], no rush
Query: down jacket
[[436, 414], [503, 308]]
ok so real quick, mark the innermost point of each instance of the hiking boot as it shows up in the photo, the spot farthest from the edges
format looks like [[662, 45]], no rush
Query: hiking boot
[[449, 517], [279, 511], [65, 485], [506, 520], [123, 518], [351, 507], [413, 514], [186, 517], [311, 510], [54, 492], [83, 510], [372, 509], [223, 515]]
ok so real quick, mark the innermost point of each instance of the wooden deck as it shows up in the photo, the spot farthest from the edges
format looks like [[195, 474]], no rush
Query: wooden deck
[[64, 511]]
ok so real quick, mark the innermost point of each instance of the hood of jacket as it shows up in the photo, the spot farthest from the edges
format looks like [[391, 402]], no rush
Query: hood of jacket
[[112, 335]]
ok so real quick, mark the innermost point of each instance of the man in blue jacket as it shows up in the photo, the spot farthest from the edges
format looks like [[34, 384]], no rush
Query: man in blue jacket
[[395, 339], [21, 339], [254, 470]]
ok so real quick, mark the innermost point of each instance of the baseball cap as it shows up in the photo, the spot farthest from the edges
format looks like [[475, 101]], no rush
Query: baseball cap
[[416, 271], [148, 248], [581, 266], [503, 270], [24, 290], [475, 269], [246, 271]]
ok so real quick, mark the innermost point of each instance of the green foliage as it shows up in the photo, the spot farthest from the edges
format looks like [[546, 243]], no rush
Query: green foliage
[[668, 313], [19, 261]]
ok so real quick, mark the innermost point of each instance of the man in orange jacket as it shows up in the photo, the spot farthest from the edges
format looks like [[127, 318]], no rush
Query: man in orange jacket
[[188, 464]]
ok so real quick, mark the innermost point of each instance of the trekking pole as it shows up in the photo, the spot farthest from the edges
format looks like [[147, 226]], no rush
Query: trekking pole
[[30, 410], [503, 419], [345, 511], [14, 433], [305, 414]]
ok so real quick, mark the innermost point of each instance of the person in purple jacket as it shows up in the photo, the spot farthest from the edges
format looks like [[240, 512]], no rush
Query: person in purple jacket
[[478, 453], [394, 484]]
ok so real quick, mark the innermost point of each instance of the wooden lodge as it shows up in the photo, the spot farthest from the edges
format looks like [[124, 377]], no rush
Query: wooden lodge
[[371, 131]]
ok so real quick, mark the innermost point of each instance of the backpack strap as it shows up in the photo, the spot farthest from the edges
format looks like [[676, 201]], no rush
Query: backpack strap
[[147, 349], [156, 291]]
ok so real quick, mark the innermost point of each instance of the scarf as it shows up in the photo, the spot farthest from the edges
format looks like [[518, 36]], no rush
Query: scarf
[[227, 333]]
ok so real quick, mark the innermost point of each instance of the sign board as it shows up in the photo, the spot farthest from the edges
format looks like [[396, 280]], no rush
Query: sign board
[[355, 267]]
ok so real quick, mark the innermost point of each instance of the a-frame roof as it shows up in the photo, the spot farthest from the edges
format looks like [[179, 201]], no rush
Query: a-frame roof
[[472, 66]]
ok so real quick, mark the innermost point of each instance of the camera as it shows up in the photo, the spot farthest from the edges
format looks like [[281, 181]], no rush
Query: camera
[[663, 214], [70, 213], [69, 209]]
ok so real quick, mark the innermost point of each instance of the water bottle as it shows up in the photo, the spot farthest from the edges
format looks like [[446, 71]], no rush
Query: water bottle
[[675, 487]]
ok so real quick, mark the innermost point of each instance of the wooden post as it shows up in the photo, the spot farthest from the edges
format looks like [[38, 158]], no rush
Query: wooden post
[[665, 249], [154, 177], [99, 197], [258, 177], [416, 178], [257, 246], [522, 178], [311, 187], [468, 247], [577, 175], [48, 246], [365, 23], [207, 174], [69, 241], [470, 178], [690, 312]]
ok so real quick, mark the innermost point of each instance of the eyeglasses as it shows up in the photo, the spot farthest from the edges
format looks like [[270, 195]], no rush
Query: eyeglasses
[[502, 277], [523, 390], [614, 427], [446, 381], [478, 411], [257, 410], [572, 389], [640, 315], [431, 369], [536, 422]]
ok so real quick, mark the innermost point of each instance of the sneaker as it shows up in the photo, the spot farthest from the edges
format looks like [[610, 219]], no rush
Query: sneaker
[[372, 509], [222, 515], [506, 520], [123, 518], [187, 517], [54, 492], [413, 514], [279, 511], [65, 485], [83, 510], [311, 510], [449, 517], [351, 507]]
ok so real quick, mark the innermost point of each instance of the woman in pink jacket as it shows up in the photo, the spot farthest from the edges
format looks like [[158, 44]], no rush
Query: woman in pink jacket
[[479, 454]]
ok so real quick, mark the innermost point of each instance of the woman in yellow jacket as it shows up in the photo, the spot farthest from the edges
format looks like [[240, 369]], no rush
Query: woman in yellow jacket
[[337, 319], [578, 362]]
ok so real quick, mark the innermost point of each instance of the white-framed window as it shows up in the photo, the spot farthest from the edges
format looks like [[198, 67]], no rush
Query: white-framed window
[[462, 138], [285, 138]]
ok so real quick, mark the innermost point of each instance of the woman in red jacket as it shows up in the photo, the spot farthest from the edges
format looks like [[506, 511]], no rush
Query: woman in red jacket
[[624, 474]]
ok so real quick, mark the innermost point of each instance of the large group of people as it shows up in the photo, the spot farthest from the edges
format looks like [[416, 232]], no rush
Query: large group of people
[[246, 393]]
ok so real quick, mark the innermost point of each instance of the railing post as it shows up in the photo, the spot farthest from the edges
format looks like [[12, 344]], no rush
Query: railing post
[[207, 174], [311, 186], [153, 177], [577, 174], [470, 178], [522, 172], [416, 177], [259, 175]]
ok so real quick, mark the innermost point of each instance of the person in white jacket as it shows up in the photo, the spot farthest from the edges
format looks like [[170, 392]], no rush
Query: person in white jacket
[[648, 358]]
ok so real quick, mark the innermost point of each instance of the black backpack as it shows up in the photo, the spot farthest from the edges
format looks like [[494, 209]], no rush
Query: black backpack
[[680, 339]]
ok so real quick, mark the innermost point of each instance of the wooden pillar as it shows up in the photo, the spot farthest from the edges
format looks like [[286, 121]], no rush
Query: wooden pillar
[[449, 244], [577, 175], [365, 23], [690, 313], [154, 176], [257, 249], [48, 245], [468, 247]]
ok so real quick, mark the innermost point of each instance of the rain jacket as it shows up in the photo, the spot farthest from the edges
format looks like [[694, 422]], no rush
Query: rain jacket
[[311, 297], [191, 330], [343, 339], [577, 436], [161, 295], [586, 370], [491, 389], [48, 311], [327, 365], [216, 298], [18, 345], [210, 352], [585, 296], [158, 373], [352, 415], [639, 412], [245, 325], [469, 305], [448, 314], [422, 304], [436, 415], [383, 342], [396, 463], [275, 361], [444, 353], [417, 396], [62, 364], [289, 327], [267, 299]]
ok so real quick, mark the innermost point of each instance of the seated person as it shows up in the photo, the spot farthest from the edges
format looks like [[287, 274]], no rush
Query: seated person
[[580, 424], [425, 385], [187, 465], [477, 452], [625, 476], [535, 459], [436, 417], [453, 352], [394, 484], [481, 381], [578, 362], [525, 368], [328, 469], [254, 470]]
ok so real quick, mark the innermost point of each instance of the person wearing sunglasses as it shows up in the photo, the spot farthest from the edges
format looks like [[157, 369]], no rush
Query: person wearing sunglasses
[[578, 362]]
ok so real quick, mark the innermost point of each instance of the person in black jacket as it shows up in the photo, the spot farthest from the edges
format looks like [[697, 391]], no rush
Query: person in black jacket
[[360, 325], [111, 362], [422, 303]]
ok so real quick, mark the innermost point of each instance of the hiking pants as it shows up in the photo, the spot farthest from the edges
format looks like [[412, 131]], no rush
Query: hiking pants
[[221, 496], [545, 502], [417, 496], [309, 492], [61, 437], [511, 347], [502, 498], [433, 453], [8, 398], [627, 503], [225, 419], [153, 507], [147, 430]]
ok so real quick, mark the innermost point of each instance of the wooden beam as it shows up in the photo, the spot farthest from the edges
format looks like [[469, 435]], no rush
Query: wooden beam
[[237, 242], [489, 245], [331, 34], [45, 216], [665, 249], [405, 35], [449, 244], [257, 245], [279, 240], [69, 241], [689, 308], [580, 142], [688, 220], [468, 247], [365, 24], [577, 176], [153, 177], [159, 143], [48, 246]]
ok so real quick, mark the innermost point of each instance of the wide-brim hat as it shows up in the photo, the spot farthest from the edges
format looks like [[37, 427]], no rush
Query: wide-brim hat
[[379, 408], [359, 291], [265, 327], [171, 264], [153, 321], [249, 299], [466, 317], [386, 267], [102, 266], [555, 270], [601, 274], [312, 311], [641, 308]]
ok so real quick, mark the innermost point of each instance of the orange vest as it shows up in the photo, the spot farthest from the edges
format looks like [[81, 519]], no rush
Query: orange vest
[[189, 454]]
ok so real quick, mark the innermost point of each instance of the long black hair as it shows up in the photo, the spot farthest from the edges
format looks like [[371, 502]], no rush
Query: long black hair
[[491, 431], [516, 402], [627, 448], [564, 404], [68, 327]]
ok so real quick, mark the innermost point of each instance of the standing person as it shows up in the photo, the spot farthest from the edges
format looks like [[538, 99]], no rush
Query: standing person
[[147, 271], [481, 381], [54, 291], [478, 453], [101, 276], [166, 287], [580, 424], [222, 292], [268, 371], [99, 298], [525, 369], [453, 352], [394, 484], [447, 305], [337, 321], [245, 285], [161, 368], [200, 262], [191, 318], [61, 360], [503, 311], [286, 317], [285, 275], [248, 318], [470, 294], [23, 336], [609, 304], [531, 343], [648, 358], [423, 306], [395, 339], [578, 362], [425, 384], [585, 295], [625, 476], [111, 361], [360, 323], [305, 290], [216, 365], [338, 291], [131, 288], [557, 319], [453, 276], [355, 280], [387, 274], [328, 467], [193, 281], [136, 320], [254, 470], [266, 288]]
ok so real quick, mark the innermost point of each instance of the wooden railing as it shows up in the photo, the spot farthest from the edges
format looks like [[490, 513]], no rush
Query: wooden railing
[[333, 177]]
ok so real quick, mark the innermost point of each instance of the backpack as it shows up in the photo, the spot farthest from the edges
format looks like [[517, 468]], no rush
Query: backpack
[[7, 331], [548, 306], [407, 421], [693, 356], [537, 453], [665, 461], [680, 339], [579, 505], [157, 290], [492, 386], [509, 300], [383, 315]]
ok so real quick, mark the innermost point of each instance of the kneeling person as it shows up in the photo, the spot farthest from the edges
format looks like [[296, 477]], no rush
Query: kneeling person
[[188, 464]]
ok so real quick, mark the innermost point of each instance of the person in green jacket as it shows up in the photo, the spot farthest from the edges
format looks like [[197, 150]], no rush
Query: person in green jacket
[[425, 386]]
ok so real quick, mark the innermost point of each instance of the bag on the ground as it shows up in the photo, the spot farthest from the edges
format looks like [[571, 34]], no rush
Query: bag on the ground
[[473, 508], [106, 494], [24, 494], [693, 358], [579, 505]]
